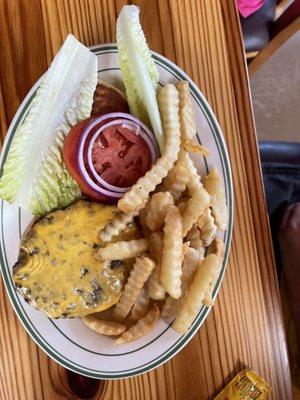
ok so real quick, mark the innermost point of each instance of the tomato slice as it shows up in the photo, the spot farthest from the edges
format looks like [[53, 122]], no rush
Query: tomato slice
[[119, 156], [70, 152]]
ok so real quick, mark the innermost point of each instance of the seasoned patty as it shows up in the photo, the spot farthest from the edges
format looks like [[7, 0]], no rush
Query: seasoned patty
[[57, 271], [108, 99]]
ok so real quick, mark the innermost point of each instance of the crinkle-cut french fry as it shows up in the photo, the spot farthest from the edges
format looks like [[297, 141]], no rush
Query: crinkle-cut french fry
[[208, 228], [159, 204], [146, 184], [139, 274], [194, 177], [193, 300], [193, 236], [197, 204], [199, 200], [146, 232], [213, 184], [182, 206], [186, 112], [180, 181], [155, 288], [190, 264], [168, 102], [208, 300], [116, 226], [193, 147], [109, 328], [155, 247], [172, 253], [141, 328], [176, 180], [185, 248], [218, 248], [140, 306], [201, 220], [123, 250]]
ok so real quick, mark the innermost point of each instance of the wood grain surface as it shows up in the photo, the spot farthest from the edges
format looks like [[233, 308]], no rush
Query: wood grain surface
[[245, 328]]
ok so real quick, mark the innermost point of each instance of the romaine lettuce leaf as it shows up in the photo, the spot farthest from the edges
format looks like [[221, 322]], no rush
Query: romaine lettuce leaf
[[35, 177], [139, 71]]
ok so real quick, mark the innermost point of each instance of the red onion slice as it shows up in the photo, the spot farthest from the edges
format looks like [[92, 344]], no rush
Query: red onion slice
[[129, 122], [138, 131]]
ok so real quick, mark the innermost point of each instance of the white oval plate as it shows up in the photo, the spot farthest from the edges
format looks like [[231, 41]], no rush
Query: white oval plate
[[69, 341]]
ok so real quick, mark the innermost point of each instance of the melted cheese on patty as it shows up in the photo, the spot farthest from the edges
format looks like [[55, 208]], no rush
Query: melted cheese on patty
[[57, 271]]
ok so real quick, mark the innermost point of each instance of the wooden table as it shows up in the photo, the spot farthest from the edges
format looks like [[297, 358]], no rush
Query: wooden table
[[245, 328]]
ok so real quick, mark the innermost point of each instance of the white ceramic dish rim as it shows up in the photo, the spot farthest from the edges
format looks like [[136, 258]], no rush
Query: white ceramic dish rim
[[220, 142]]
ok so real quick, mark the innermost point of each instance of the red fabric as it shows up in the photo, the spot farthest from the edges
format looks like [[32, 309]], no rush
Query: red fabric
[[248, 7]]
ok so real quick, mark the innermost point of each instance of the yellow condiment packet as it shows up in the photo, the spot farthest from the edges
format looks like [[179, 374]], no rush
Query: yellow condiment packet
[[247, 385]]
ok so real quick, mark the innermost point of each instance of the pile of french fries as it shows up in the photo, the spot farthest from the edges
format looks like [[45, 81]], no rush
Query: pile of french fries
[[179, 257]]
